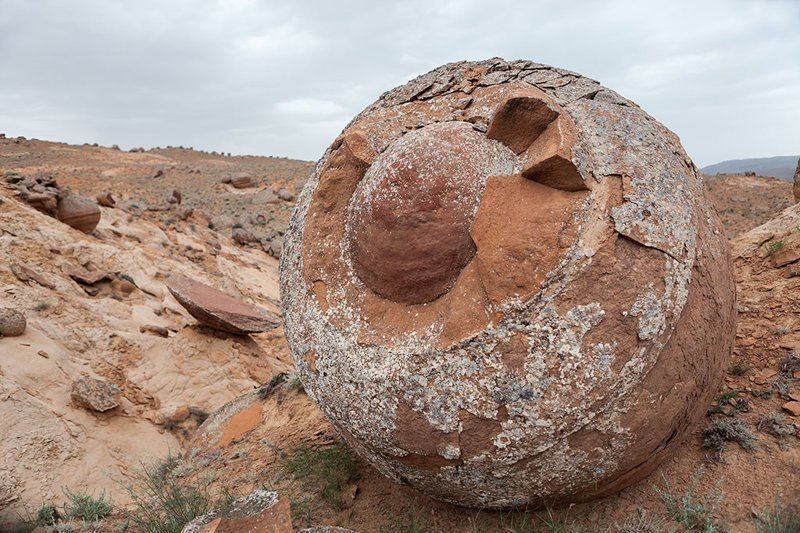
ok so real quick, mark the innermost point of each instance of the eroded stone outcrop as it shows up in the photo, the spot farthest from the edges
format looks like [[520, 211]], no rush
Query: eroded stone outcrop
[[503, 285], [796, 187], [218, 310]]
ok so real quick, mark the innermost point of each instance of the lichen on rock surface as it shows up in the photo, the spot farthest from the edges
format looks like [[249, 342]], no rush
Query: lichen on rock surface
[[503, 285]]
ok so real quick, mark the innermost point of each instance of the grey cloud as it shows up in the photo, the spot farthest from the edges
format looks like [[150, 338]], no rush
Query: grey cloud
[[283, 78]]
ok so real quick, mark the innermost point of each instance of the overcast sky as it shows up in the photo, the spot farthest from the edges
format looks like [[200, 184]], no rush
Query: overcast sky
[[283, 78]]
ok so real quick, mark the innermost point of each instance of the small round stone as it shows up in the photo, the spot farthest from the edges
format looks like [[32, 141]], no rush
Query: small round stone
[[12, 322]]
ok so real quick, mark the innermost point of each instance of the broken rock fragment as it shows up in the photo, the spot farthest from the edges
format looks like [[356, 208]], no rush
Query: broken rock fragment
[[262, 511], [218, 310], [95, 394], [503, 284]]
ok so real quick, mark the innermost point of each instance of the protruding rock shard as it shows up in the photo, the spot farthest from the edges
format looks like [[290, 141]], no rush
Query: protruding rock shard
[[504, 286], [218, 310], [95, 394]]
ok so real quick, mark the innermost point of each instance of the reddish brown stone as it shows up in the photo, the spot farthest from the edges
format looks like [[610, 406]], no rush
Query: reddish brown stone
[[78, 212], [218, 310]]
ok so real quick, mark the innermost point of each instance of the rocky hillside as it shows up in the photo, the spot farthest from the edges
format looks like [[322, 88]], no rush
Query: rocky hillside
[[781, 167], [112, 371], [744, 202]]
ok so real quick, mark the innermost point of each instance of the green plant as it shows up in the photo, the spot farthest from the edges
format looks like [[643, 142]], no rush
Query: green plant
[[717, 435], [296, 385], [301, 510], [778, 520], [328, 469], [641, 522], [692, 513], [47, 515], [774, 246], [82, 506], [160, 505]]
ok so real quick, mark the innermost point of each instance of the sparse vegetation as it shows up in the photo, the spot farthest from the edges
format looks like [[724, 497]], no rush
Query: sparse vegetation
[[641, 522], [720, 432], [778, 520], [296, 385], [692, 513], [47, 515], [774, 246], [264, 391], [85, 507], [774, 424], [41, 306], [302, 510], [326, 469], [160, 505], [411, 522]]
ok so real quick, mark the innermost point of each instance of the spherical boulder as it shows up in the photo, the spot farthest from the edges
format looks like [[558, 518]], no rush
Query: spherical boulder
[[504, 286], [12, 322]]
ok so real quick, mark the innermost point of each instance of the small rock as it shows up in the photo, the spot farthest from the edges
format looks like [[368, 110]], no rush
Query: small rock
[[243, 236], [261, 511], [265, 196], [78, 212], [183, 213], [153, 329], [44, 354], [106, 200], [12, 322], [285, 195], [175, 197], [793, 408], [762, 376], [242, 181], [158, 173], [218, 310], [25, 273], [86, 276], [95, 394]]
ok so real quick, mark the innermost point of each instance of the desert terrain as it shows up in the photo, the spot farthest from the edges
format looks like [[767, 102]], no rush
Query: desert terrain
[[220, 415]]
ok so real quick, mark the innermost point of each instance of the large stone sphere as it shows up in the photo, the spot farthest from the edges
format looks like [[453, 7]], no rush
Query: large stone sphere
[[504, 286]]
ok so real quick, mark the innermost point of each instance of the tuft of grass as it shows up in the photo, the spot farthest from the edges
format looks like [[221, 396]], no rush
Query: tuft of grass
[[160, 505], [411, 522], [778, 520], [301, 510], [692, 513], [641, 522], [296, 385], [265, 391], [47, 515], [82, 506], [327, 469], [720, 432], [41, 306], [775, 424], [774, 246]]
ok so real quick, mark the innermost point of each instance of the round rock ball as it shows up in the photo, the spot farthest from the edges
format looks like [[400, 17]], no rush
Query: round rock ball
[[504, 285]]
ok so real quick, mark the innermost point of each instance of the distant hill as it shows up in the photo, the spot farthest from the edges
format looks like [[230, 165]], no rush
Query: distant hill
[[781, 166]]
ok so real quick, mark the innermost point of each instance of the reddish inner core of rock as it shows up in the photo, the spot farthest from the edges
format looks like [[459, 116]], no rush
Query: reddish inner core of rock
[[410, 218]]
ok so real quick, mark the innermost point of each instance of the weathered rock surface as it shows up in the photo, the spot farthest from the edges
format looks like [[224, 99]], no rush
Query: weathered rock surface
[[12, 322], [78, 212], [218, 310], [95, 394], [796, 187], [242, 181], [262, 511], [536, 319]]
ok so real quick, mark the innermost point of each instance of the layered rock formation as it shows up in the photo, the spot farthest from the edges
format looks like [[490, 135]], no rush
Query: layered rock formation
[[796, 189], [503, 285], [218, 310]]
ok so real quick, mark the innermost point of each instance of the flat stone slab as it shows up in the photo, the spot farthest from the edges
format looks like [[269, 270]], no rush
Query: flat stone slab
[[218, 310]]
